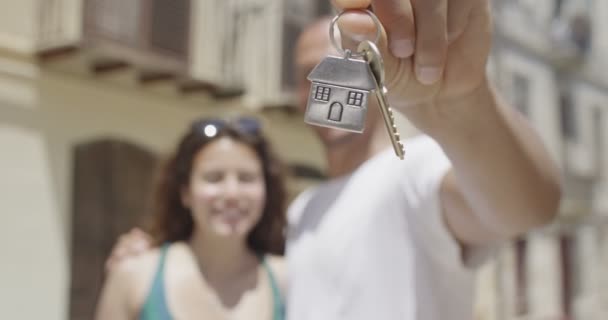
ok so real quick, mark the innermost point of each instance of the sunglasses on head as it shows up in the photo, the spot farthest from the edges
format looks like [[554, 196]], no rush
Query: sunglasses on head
[[210, 127]]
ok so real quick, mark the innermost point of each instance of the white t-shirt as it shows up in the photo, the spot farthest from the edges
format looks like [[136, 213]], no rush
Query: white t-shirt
[[373, 245]]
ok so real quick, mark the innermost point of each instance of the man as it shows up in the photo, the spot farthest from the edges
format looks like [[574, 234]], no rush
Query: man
[[392, 239]]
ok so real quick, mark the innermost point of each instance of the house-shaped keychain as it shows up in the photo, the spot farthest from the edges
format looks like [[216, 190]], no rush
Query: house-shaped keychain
[[339, 93]]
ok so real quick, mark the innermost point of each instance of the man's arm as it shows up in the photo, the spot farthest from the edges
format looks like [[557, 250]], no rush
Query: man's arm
[[503, 182]]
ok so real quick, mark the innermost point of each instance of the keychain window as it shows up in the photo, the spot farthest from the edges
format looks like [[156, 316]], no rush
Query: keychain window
[[355, 98], [322, 93]]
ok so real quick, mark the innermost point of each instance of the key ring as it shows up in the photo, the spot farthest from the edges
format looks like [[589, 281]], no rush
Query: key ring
[[335, 43]]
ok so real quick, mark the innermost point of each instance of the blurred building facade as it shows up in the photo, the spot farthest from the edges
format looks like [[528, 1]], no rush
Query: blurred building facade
[[549, 61], [75, 71]]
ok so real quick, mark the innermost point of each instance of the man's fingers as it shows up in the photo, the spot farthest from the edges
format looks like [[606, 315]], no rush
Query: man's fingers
[[360, 24], [398, 20], [458, 17], [351, 4], [133, 243], [110, 263], [140, 246], [138, 234], [355, 27], [426, 19], [431, 39]]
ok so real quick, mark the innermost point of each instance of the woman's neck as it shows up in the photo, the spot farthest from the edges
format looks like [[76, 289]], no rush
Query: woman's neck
[[348, 157], [222, 260]]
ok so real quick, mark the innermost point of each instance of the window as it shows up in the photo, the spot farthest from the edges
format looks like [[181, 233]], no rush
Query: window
[[568, 119], [322, 93], [355, 98], [169, 26], [557, 8], [565, 8], [572, 23], [599, 143], [291, 32], [570, 273], [521, 277], [297, 14]]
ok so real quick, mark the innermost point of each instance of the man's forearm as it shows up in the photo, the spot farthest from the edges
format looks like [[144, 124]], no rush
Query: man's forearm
[[502, 168]]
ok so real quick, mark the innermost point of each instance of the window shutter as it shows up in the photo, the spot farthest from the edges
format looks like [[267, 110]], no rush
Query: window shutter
[[169, 25], [115, 20]]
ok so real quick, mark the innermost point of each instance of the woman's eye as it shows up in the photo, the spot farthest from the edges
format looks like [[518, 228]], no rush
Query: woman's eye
[[213, 176], [248, 177]]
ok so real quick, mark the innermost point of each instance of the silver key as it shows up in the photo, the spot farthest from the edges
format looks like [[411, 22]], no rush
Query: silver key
[[373, 57]]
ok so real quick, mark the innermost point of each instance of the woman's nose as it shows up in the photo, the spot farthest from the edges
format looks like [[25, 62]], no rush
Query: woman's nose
[[231, 188]]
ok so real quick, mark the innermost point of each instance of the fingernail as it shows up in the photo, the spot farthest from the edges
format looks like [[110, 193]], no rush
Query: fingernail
[[453, 36], [428, 75], [402, 48]]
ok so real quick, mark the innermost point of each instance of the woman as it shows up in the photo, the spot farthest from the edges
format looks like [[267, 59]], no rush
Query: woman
[[218, 229]]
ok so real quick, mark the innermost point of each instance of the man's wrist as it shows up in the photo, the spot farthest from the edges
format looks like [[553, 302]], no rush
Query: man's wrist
[[458, 117]]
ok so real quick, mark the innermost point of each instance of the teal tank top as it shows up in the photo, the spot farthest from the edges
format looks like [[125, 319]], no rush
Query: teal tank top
[[155, 307]]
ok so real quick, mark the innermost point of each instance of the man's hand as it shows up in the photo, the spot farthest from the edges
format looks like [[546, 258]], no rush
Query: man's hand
[[435, 51], [131, 244]]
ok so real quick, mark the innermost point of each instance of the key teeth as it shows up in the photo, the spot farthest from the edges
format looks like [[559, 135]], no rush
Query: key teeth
[[389, 118]]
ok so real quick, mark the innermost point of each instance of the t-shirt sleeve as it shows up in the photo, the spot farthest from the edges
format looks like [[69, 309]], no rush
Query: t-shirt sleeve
[[296, 208], [423, 172], [294, 216]]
